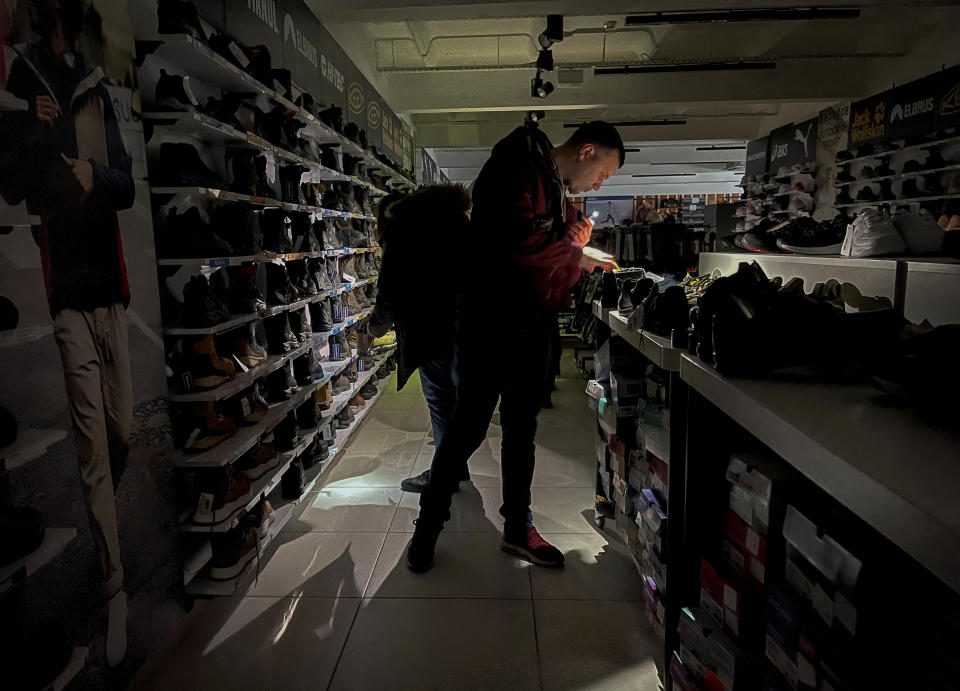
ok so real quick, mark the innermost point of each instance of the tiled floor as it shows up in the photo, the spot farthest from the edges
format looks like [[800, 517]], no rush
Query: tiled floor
[[336, 608]]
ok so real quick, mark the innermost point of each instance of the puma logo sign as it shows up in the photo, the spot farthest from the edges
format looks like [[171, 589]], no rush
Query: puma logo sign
[[802, 138]]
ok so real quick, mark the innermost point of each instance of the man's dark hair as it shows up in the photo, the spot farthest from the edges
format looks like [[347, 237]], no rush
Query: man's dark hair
[[602, 134]]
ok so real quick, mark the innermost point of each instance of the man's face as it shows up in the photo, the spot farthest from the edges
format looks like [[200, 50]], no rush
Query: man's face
[[594, 165]]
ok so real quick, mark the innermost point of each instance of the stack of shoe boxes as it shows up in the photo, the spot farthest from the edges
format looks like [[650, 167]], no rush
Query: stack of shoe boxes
[[811, 635], [734, 573], [707, 658]]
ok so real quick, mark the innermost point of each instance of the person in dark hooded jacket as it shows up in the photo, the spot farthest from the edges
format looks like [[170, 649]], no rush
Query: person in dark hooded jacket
[[417, 295], [525, 254]]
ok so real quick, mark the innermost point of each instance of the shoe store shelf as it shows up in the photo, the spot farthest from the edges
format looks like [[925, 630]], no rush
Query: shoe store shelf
[[233, 448], [26, 334], [208, 129], [202, 584], [195, 560], [899, 150], [904, 200], [899, 176], [30, 444], [216, 262], [55, 540], [655, 348], [9, 102], [234, 322], [228, 196], [885, 463], [242, 379], [793, 193]]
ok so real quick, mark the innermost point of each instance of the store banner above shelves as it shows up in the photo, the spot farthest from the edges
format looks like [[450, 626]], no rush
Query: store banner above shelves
[[757, 156], [792, 144], [913, 109], [298, 42]]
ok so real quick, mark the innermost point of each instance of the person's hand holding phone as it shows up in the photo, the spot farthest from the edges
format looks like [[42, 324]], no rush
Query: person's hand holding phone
[[579, 231]]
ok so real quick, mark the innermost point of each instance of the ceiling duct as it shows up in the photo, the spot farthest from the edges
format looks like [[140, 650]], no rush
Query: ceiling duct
[[708, 66], [757, 15]]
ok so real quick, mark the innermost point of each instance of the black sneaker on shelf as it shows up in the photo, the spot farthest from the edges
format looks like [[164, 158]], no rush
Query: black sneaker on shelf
[[188, 235], [909, 188], [174, 92], [886, 191], [884, 169], [670, 315], [843, 196], [845, 176], [343, 419], [866, 194], [180, 164], [527, 544], [332, 117], [844, 155], [935, 160], [806, 236], [201, 308], [237, 226], [330, 158], [352, 132], [368, 391], [867, 173], [911, 166], [758, 241], [233, 551], [286, 436]]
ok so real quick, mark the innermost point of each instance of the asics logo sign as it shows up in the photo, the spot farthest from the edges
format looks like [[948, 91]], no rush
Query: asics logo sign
[[902, 112], [779, 151], [331, 73], [304, 47]]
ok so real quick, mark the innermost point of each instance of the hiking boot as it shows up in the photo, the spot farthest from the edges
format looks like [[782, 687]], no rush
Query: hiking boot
[[277, 229], [320, 317], [307, 415], [418, 483], [343, 419], [249, 352], [207, 369], [280, 338], [245, 296], [232, 552], [223, 493], [242, 165], [527, 544], [263, 186], [290, 177], [323, 397], [329, 158], [317, 268], [300, 325], [357, 404], [421, 550], [338, 351], [332, 117], [261, 517], [286, 436], [333, 271], [329, 237], [278, 388], [339, 384], [368, 391], [201, 309], [351, 373], [293, 482], [258, 461], [188, 235]]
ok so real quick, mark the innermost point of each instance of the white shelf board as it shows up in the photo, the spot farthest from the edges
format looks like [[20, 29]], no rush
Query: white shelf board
[[22, 335], [30, 444], [655, 348], [55, 540], [234, 322], [887, 464]]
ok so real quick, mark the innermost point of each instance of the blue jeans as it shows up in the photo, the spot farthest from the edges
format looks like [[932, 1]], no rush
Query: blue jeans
[[439, 380]]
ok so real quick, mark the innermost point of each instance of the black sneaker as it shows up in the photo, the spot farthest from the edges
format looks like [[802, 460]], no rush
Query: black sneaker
[[237, 226], [670, 315], [867, 195], [418, 483], [293, 482], [911, 166], [934, 160], [843, 197], [368, 391], [279, 289], [286, 435], [844, 155], [886, 191], [332, 117], [884, 169], [845, 176], [307, 415], [421, 550], [330, 159], [173, 92], [343, 419], [530, 546], [201, 308]]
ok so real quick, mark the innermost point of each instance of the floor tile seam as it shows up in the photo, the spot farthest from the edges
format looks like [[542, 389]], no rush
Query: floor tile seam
[[536, 635]]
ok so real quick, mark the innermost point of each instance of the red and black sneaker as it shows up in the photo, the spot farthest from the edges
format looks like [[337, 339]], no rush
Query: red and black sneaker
[[530, 546]]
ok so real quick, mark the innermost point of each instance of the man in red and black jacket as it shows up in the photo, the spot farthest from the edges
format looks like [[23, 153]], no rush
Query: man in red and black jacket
[[528, 254]]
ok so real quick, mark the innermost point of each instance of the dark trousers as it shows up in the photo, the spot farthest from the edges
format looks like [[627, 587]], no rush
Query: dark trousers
[[439, 379], [504, 365]]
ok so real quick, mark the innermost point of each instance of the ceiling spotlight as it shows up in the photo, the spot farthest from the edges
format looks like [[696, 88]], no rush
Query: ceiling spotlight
[[554, 31], [534, 116], [545, 60], [609, 25], [540, 88]]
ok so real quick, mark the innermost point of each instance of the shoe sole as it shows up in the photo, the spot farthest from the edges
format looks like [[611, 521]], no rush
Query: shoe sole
[[261, 470], [527, 556], [228, 573]]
